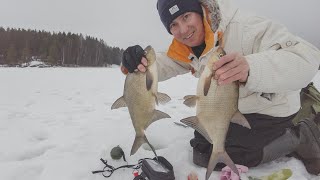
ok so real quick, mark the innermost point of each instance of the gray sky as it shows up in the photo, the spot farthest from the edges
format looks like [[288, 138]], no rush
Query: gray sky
[[124, 23]]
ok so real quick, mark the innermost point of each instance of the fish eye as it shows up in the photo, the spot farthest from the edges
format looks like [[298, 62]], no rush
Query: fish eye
[[220, 55]]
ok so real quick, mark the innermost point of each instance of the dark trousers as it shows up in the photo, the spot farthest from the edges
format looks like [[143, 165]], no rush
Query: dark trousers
[[245, 146]]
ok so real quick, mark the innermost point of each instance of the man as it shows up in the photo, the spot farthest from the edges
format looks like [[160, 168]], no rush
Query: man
[[271, 64]]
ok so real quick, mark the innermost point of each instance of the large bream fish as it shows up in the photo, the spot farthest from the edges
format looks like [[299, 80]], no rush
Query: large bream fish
[[140, 96], [216, 107]]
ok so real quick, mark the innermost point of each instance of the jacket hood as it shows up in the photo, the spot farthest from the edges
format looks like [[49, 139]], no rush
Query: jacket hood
[[220, 13]]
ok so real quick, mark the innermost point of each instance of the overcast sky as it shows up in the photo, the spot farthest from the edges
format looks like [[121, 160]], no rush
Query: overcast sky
[[124, 23]]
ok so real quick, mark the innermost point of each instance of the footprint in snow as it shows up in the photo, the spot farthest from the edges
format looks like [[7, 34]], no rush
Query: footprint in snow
[[34, 153]]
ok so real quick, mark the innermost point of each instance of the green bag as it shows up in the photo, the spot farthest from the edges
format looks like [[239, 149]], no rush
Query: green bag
[[310, 103]]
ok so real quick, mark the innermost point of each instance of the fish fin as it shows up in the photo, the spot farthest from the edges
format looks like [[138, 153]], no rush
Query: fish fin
[[119, 103], [159, 115], [149, 80], [138, 141], [222, 157], [156, 99], [188, 96], [156, 116], [193, 122], [190, 100], [207, 84], [239, 118], [163, 98]]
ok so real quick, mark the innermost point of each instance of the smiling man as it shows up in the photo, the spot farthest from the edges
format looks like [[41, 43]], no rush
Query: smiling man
[[271, 64], [188, 29]]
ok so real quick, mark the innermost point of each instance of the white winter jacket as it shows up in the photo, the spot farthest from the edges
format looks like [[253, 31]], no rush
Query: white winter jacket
[[280, 62]]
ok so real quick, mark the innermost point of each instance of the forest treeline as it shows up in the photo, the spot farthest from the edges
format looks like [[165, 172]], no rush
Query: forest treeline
[[19, 46]]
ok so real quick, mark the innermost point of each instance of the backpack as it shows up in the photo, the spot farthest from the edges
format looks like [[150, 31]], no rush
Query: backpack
[[310, 104]]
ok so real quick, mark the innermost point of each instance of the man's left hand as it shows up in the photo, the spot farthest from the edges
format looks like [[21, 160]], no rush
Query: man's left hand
[[231, 67]]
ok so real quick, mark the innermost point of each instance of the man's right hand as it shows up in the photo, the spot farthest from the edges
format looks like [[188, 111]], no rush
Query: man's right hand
[[133, 59]]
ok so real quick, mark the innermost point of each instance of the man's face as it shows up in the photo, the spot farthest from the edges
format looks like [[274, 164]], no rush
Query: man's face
[[188, 29]]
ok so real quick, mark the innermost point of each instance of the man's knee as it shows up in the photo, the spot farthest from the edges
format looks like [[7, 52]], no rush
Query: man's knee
[[240, 155]]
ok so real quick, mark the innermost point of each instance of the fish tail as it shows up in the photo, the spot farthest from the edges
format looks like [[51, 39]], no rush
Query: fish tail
[[138, 141], [220, 157]]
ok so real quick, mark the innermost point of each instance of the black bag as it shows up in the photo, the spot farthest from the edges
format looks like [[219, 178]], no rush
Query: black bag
[[160, 169]]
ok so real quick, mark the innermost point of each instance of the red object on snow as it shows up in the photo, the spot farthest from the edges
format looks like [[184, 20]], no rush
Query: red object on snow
[[136, 173]]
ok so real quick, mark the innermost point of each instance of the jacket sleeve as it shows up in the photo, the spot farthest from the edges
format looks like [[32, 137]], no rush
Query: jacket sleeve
[[278, 60], [168, 68]]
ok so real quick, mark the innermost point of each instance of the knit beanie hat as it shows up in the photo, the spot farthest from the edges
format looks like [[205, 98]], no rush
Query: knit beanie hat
[[171, 9]]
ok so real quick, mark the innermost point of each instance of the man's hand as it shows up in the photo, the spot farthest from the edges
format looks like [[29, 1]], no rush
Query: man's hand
[[133, 60], [231, 67]]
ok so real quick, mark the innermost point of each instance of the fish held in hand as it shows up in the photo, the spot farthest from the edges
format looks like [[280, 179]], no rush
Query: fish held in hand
[[140, 95], [216, 107]]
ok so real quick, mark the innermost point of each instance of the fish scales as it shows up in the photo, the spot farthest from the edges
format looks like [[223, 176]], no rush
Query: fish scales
[[140, 95], [216, 107], [142, 100]]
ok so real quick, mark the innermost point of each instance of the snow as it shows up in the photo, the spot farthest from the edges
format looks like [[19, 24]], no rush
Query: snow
[[33, 63], [56, 123]]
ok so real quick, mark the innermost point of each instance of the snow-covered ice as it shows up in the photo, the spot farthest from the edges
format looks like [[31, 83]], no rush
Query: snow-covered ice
[[56, 123]]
